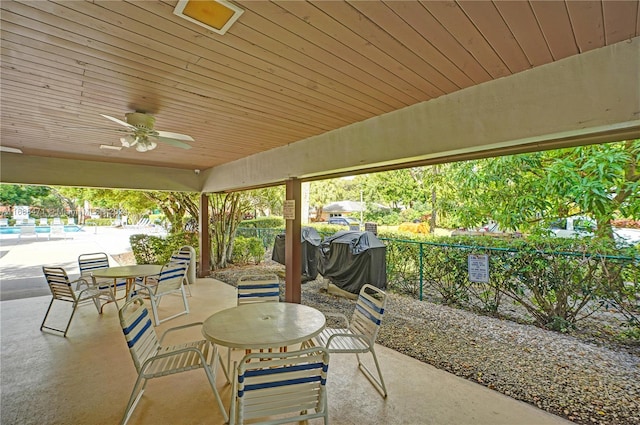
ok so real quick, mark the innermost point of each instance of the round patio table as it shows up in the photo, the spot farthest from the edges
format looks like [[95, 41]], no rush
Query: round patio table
[[129, 273], [263, 325]]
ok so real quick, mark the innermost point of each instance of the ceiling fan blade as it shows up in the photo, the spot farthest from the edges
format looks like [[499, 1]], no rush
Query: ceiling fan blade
[[175, 136], [173, 142], [119, 121]]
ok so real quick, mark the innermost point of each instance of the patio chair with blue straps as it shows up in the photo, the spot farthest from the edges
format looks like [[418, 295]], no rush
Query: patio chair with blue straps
[[170, 281], [253, 288], [359, 335], [154, 360], [281, 387], [88, 263], [186, 254], [62, 290]]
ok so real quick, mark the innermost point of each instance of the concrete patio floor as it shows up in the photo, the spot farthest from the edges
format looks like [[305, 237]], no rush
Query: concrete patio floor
[[87, 377]]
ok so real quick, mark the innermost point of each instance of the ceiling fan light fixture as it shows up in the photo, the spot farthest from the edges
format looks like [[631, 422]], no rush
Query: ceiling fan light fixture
[[214, 15], [144, 145], [128, 141]]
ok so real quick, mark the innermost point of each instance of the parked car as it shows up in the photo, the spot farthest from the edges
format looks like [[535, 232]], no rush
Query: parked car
[[343, 221], [580, 226]]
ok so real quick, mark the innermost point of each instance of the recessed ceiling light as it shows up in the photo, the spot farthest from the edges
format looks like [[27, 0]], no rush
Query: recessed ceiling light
[[10, 150], [111, 147], [214, 15]]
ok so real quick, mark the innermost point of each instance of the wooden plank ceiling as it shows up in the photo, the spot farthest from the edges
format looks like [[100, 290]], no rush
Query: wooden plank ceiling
[[285, 70]]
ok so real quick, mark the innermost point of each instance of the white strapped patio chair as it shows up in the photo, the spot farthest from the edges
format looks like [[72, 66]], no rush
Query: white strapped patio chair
[[279, 384], [254, 288], [88, 263], [186, 254], [359, 334], [62, 290], [153, 360], [169, 281], [258, 288]]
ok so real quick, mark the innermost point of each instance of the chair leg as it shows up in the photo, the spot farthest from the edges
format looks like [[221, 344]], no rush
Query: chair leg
[[46, 314], [64, 332], [154, 308], [134, 399], [378, 383], [212, 381], [184, 299], [75, 306], [96, 302]]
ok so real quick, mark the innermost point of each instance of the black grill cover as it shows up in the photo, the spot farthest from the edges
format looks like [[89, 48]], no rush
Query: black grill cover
[[310, 239], [351, 259]]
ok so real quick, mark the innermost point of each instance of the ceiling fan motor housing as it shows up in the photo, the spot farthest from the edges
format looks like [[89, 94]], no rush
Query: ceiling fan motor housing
[[140, 120]]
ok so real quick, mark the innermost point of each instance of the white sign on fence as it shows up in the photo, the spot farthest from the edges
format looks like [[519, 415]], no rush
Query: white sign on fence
[[478, 268]]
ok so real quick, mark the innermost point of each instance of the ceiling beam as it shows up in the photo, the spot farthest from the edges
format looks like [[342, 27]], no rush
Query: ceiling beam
[[38, 170]]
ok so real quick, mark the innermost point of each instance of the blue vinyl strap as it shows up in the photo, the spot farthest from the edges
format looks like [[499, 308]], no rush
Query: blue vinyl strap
[[248, 286], [129, 328]]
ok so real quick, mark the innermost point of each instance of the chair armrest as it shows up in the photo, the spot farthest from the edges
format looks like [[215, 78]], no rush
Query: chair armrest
[[142, 286], [361, 337], [80, 282], [150, 360], [339, 316], [177, 328]]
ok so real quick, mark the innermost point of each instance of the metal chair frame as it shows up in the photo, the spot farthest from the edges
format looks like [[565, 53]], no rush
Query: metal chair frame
[[62, 290], [97, 261], [170, 281], [359, 334], [153, 360]]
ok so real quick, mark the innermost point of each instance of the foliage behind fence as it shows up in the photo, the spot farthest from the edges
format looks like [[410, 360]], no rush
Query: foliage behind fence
[[557, 281]]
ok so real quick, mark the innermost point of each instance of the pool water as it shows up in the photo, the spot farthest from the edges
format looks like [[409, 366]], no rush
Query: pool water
[[9, 230]]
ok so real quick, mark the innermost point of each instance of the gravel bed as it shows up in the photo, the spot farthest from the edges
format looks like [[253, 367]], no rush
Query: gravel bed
[[562, 374]]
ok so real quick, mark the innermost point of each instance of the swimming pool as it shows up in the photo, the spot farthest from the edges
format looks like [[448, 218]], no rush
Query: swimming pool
[[15, 230]]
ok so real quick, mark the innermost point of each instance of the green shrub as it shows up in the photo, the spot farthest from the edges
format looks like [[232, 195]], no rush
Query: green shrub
[[270, 222], [247, 250], [151, 249], [147, 249]]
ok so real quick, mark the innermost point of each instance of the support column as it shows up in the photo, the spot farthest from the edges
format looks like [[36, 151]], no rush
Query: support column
[[205, 241], [293, 246]]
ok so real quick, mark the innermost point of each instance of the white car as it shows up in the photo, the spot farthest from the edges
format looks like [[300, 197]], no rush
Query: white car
[[580, 226]]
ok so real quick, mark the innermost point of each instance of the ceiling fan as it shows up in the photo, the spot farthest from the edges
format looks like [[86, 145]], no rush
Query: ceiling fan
[[143, 137]]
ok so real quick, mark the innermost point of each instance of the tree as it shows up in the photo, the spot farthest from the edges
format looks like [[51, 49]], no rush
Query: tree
[[322, 192], [397, 188], [519, 191], [268, 201], [175, 205], [601, 181], [15, 194], [226, 212]]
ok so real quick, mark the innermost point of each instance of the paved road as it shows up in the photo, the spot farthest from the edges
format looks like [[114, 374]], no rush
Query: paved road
[[21, 260]]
